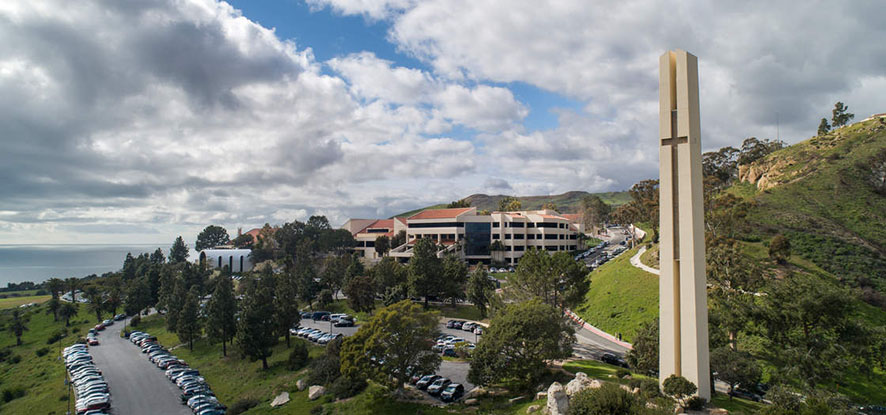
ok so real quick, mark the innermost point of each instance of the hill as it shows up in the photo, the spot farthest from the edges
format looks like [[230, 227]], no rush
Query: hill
[[569, 202]]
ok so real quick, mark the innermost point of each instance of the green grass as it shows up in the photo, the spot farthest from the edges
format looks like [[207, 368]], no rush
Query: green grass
[[42, 377], [621, 297], [599, 370], [735, 405], [461, 312], [12, 302], [865, 389]]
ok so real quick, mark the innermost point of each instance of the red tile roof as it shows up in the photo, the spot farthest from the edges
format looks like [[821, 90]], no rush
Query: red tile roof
[[572, 217], [553, 217], [401, 219], [380, 224], [440, 213]]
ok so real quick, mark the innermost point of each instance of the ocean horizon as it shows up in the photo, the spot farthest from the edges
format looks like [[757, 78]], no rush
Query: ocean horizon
[[40, 262]]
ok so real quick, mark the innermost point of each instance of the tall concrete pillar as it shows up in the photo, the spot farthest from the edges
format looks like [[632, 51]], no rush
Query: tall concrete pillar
[[683, 308]]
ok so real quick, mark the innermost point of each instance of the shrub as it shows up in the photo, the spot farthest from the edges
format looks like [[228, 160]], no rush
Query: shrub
[[606, 400], [15, 359], [4, 354], [41, 292], [13, 393], [298, 357], [696, 403], [345, 387], [42, 351], [679, 387], [621, 373], [317, 410], [648, 388], [324, 371], [63, 398], [56, 336], [242, 405], [135, 320]]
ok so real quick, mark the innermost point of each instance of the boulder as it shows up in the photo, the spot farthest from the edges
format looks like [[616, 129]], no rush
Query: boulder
[[301, 384], [315, 392], [580, 383], [280, 400], [472, 401], [475, 393], [719, 411], [541, 395], [532, 408], [558, 402]]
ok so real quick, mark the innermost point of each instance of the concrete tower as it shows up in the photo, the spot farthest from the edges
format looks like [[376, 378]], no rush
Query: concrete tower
[[682, 285]]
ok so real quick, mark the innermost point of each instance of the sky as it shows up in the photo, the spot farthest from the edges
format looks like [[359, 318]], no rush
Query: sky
[[134, 121]]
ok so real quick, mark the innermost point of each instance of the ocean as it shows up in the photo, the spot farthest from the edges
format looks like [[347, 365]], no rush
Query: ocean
[[38, 263]]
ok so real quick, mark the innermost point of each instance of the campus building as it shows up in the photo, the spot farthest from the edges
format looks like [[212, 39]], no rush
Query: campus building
[[470, 235], [237, 260]]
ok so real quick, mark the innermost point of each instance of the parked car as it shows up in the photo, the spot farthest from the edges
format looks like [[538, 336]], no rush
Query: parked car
[[437, 387], [426, 381], [320, 315], [469, 326], [344, 322], [743, 394], [478, 330], [453, 392], [613, 360]]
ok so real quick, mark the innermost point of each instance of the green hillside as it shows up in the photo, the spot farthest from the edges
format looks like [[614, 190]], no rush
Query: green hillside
[[568, 202]]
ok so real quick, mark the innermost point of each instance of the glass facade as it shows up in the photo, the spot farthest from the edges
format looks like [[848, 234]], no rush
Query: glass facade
[[477, 237]]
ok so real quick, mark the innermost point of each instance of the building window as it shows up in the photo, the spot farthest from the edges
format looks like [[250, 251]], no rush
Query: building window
[[241, 263], [550, 236], [494, 224], [573, 236], [519, 248], [551, 247], [516, 224], [518, 236], [530, 225], [496, 236], [438, 225], [530, 236], [545, 225], [562, 236], [477, 236], [219, 261], [507, 236], [378, 230]]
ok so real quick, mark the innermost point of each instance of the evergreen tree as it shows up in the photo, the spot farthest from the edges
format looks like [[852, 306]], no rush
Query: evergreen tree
[[95, 298], [174, 304], [780, 248], [841, 115], [138, 297], [388, 273], [210, 237], [189, 324], [455, 276], [361, 293], [355, 268], [157, 257], [179, 251], [424, 270], [333, 275], [480, 290], [73, 284], [256, 332], [286, 303], [824, 127], [66, 311], [382, 245], [17, 327], [222, 313], [52, 307]]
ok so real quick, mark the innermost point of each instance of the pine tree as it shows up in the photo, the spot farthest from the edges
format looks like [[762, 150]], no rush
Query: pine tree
[[286, 303], [256, 332], [189, 324], [424, 270], [824, 127], [841, 115], [222, 313], [17, 326], [174, 305], [179, 251], [480, 290]]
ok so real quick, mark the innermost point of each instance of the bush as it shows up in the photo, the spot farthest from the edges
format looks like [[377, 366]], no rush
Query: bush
[[298, 357], [56, 336], [135, 320], [4, 354], [15, 359], [242, 405], [317, 410], [696, 403], [13, 393], [41, 292], [324, 371], [648, 388], [42, 351], [345, 387], [606, 400], [622, 373]]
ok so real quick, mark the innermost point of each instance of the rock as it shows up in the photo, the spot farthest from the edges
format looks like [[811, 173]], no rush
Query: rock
[[541, 395], [301, 384], [315, 392], [515, 400], [558, 402], [280, 400], [532, 408], [475, 393], [627, 388], [580, 383], [719, 411], [472, 401], [636, 391]]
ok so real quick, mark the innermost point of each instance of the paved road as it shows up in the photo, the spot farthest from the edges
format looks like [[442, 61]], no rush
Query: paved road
[[137, 386]]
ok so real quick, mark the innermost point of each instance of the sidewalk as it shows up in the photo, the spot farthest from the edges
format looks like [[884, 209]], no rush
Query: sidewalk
[[635, 261]]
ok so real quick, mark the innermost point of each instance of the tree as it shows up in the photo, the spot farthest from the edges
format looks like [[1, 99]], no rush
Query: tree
[[157, 257], [643, 206], [114, 294], [221, 309], [398, 239], [333, 276], [95, 298], [289, 236], [361, 293], [678, 387], [644, 356], [735, 367], [73, 284], [286, 303], [424, 270], [480, 289], [753, 149], [189, 323], [17, 326], [55, 287], [519, 341], [388, 273], [382, 245], [244, 240], [455, 276], [52, 307], [256, 329], [392, 345], [824, 127], [557, 279], [461, 203], [179, 251], [210, 237], [594, 212], [509, 204], [355, 268], [722, 165], [138, 297], [780, 248], [175, 303], [608, 399], [549, 206], [841, 115], [66, 311]]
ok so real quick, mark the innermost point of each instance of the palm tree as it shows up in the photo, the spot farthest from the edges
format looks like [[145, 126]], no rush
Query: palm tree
[[73, 284], [96, 301], [17, 327]]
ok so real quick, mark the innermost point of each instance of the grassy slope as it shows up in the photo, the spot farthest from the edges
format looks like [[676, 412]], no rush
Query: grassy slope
[[42, 377], [17, 301], [568, 202], [621, 297]]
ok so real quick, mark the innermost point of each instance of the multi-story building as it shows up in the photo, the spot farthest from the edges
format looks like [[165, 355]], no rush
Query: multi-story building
[[366, 231], [473, 236]]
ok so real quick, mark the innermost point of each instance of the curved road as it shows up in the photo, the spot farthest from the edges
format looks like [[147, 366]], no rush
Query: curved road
[[137, 386]]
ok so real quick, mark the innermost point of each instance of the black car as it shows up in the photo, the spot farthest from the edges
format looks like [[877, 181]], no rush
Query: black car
[[613, 360], [743, 394], [426, 381], [452, 392], [437, 387]]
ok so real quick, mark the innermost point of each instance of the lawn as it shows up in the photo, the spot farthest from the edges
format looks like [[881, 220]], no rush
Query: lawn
[[12, 302], [621, 297], [460, 312], [598, 370], [735, 405]]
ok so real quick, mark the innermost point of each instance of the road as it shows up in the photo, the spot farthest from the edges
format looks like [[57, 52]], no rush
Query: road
[[137, 386]]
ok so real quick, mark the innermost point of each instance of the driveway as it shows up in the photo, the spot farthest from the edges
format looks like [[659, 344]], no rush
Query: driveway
[[137, 386]]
